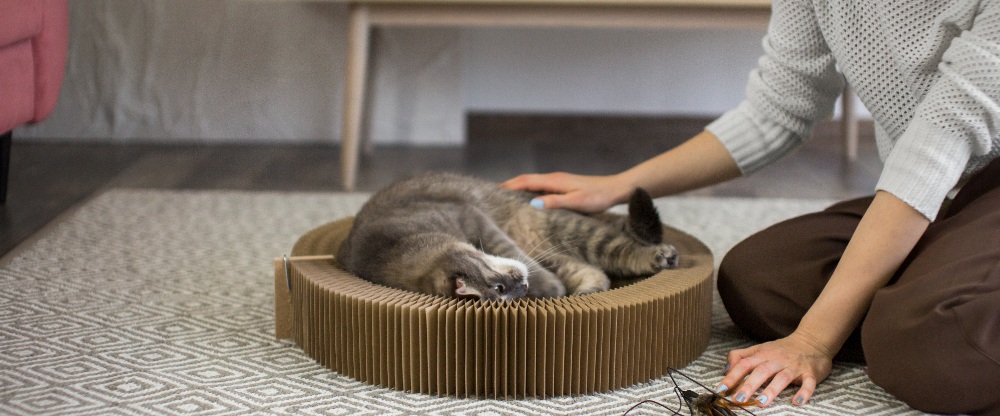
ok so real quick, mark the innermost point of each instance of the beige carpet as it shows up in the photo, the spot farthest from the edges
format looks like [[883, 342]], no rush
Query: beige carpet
[[160, 302]]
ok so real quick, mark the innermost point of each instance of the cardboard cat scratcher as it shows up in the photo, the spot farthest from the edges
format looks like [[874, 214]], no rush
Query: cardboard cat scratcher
[[469, 348]]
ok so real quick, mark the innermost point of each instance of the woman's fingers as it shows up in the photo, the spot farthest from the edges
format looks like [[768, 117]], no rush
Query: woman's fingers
[[760, 374], [779, 381], [740, 366], [565, 190], [535, 182], [553, 201], [776, 364], [521, 182], [805, 392]]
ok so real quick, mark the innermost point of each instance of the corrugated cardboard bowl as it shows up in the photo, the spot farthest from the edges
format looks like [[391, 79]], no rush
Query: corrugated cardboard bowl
[[469, 348]]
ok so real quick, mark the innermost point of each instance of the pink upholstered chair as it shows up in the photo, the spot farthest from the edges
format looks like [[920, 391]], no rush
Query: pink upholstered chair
[[33, 43]]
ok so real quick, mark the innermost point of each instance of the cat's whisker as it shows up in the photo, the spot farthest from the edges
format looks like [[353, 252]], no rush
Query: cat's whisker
[[563, 247], [561, 243], [528, 261], [543, 242], [557, 236]]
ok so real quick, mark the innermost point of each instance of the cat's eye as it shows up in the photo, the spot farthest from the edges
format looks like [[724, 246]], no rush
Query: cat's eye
[[499, 288]]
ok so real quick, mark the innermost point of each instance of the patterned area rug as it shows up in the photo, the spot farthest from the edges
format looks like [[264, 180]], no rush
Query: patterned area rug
[[161, 302]]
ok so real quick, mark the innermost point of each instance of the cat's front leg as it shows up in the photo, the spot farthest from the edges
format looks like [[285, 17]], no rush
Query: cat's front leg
[[543, 284], [578, 277]]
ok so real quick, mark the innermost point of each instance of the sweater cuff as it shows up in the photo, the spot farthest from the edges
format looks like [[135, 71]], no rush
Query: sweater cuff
[[923, 166], [753, 143]]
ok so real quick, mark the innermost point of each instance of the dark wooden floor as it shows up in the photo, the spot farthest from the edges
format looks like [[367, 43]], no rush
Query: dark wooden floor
[[46, 179]]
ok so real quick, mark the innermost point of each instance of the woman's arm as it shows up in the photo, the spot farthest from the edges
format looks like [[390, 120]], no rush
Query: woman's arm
[[700, 161], [885, 236], [957, 119], [795, 84]]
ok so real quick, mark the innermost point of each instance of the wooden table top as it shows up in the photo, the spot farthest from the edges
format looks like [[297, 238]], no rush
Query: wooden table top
[[739, 4]]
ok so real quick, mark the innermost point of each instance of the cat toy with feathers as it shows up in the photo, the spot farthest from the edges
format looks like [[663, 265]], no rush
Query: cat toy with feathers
[[708, 403]]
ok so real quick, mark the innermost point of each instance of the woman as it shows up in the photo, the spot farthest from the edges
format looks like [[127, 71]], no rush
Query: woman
[[907, 280]]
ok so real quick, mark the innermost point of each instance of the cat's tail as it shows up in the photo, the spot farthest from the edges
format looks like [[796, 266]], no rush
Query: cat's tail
[[643, 218]]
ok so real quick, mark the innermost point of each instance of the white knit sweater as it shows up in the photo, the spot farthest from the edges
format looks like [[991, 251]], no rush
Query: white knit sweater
[[929, 72]]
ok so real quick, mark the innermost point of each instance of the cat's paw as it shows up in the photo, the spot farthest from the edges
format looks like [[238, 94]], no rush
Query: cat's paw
[[543, 284], [665, 256]]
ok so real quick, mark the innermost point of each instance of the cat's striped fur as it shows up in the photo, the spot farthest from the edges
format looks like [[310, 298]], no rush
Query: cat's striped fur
[[452, 235]]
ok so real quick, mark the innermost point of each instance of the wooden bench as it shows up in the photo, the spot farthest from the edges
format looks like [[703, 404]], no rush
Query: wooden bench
[[366, 14]]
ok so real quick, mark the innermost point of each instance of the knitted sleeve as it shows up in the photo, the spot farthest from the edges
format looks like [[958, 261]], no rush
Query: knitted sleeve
[[795, 84], [957, 119]]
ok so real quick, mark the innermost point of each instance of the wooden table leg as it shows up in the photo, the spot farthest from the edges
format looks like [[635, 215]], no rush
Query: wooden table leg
[[849, 125], [354, 93], [367, 144]]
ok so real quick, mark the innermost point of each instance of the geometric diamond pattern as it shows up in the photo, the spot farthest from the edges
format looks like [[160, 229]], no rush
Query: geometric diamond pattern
[[51, 401], [161, 302], [130, 386]]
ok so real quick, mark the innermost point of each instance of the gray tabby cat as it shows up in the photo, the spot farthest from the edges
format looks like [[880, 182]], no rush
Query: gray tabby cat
[[452, 235]]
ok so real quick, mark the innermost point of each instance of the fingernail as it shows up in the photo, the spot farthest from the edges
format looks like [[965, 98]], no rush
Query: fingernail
[[762, 399], [741, 397], [538, 203], [800, 400], [726, 370], [721, 389]]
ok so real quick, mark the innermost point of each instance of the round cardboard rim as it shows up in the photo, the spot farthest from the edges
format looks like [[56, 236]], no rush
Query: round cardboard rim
[[696, 263], [611, 339]]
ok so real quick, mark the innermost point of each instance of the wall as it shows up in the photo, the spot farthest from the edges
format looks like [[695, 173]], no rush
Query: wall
[[225, 70], [685, 72]]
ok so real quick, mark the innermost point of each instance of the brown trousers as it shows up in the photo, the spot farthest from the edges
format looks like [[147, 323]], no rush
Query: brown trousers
[[931, 336]]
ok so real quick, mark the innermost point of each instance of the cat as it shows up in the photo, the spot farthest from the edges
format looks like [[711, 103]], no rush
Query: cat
[[458, 236]]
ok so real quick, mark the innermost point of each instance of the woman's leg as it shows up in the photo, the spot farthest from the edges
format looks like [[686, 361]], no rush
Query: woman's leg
[[932, 337], [768, 281]]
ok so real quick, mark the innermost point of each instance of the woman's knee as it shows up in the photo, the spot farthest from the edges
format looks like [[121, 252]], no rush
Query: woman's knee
[[769, 280], [754, 290], [931, 360]]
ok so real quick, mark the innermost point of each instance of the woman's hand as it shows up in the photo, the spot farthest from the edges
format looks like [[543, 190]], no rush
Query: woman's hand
[[792, 360], [700, 161], [590, 194]]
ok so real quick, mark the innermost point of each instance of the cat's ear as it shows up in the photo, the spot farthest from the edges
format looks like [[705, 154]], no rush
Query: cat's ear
[[462, 289], [643, 218]]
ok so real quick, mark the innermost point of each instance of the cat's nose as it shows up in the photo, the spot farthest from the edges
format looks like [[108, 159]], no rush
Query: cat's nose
[[514, 286], [515, 291]]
